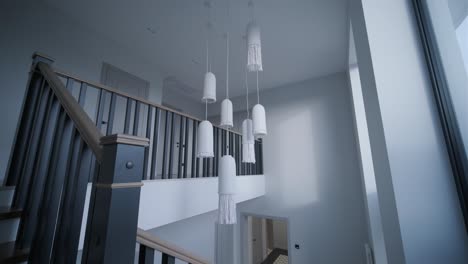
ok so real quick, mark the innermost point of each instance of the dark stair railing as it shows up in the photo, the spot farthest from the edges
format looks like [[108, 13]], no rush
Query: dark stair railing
[[172, 134], [56, 149], [71, 132]]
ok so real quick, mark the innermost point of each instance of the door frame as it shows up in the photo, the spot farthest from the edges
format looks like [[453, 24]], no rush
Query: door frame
[[106, 66], [244, 243]]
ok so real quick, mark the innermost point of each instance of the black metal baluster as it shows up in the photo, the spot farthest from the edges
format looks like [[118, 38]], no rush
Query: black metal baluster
[[38, 131], [34, 190], [242, 168], [136, 121], [98, 117], [238, 154], [100, 108], [25, 128], [165, 149], [128, 112], [197, 164], [72, 223], [223, 142], [167, 259], [146, 255], [186, 144], [215, 145], [231, 143], [194, 147], [82, 97], [69, 84], [154, 155], [181, 147], [171, 149], [110, 118], [41, 249], [261, 156], [147, 162], [63, 225]]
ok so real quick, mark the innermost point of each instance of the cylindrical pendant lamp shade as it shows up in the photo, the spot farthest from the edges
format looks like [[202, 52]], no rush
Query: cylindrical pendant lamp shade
[[226, 114], [248, 142], [254, 47], [259, 120], [209, 88], [205, 140], [226, 190]]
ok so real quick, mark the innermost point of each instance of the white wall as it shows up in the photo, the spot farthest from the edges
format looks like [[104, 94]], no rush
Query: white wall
[[28, 26], [176, 99], [421, 218], [312, 171]]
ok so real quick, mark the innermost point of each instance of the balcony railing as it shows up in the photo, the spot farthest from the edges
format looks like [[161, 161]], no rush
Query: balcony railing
[[172, 134]]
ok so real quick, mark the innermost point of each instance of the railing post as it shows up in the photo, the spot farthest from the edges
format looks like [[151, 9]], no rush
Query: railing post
[[40, 57], [113, 214]]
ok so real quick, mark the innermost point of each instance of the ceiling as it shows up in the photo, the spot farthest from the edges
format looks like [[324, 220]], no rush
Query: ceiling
[[301, 39]]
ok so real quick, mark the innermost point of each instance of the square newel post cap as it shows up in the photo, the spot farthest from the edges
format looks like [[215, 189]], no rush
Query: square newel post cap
[[124, 139], [41, 57]]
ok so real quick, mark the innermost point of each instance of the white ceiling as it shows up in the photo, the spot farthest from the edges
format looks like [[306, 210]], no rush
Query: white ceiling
[[301, 39]]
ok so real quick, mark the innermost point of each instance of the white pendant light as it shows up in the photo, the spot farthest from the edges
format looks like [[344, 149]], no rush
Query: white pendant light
[[248, 140], [205, 140], [227, 190], [209, 88], [259, 120], [259, 117], [226, 104], [254, 44], [226, 114], [254, 47]]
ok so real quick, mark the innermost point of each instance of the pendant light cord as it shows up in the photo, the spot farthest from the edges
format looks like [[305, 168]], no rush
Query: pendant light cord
[[208, 31], [206, 109], [227, 65], [247, 93], [258, 91], [207, 56], [252, 9], [227, 49]]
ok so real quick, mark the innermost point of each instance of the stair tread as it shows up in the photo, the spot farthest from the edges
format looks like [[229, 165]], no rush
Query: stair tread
[[10, 254], [8, 212]]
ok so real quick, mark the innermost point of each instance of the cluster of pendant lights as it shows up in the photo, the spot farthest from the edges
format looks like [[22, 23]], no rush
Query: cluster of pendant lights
[[251, 128]]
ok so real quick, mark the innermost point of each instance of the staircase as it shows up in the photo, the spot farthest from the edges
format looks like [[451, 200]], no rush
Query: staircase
[[66, 140]]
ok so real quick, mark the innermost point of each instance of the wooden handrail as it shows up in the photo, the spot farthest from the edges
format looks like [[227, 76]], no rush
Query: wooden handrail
[[136, 98], [88, 131], [145, 238]]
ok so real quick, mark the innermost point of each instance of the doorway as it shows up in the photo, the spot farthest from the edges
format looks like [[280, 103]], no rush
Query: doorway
[[266, 240]]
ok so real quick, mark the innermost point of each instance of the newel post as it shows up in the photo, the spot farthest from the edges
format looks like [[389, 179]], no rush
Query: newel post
[[113, 214]]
